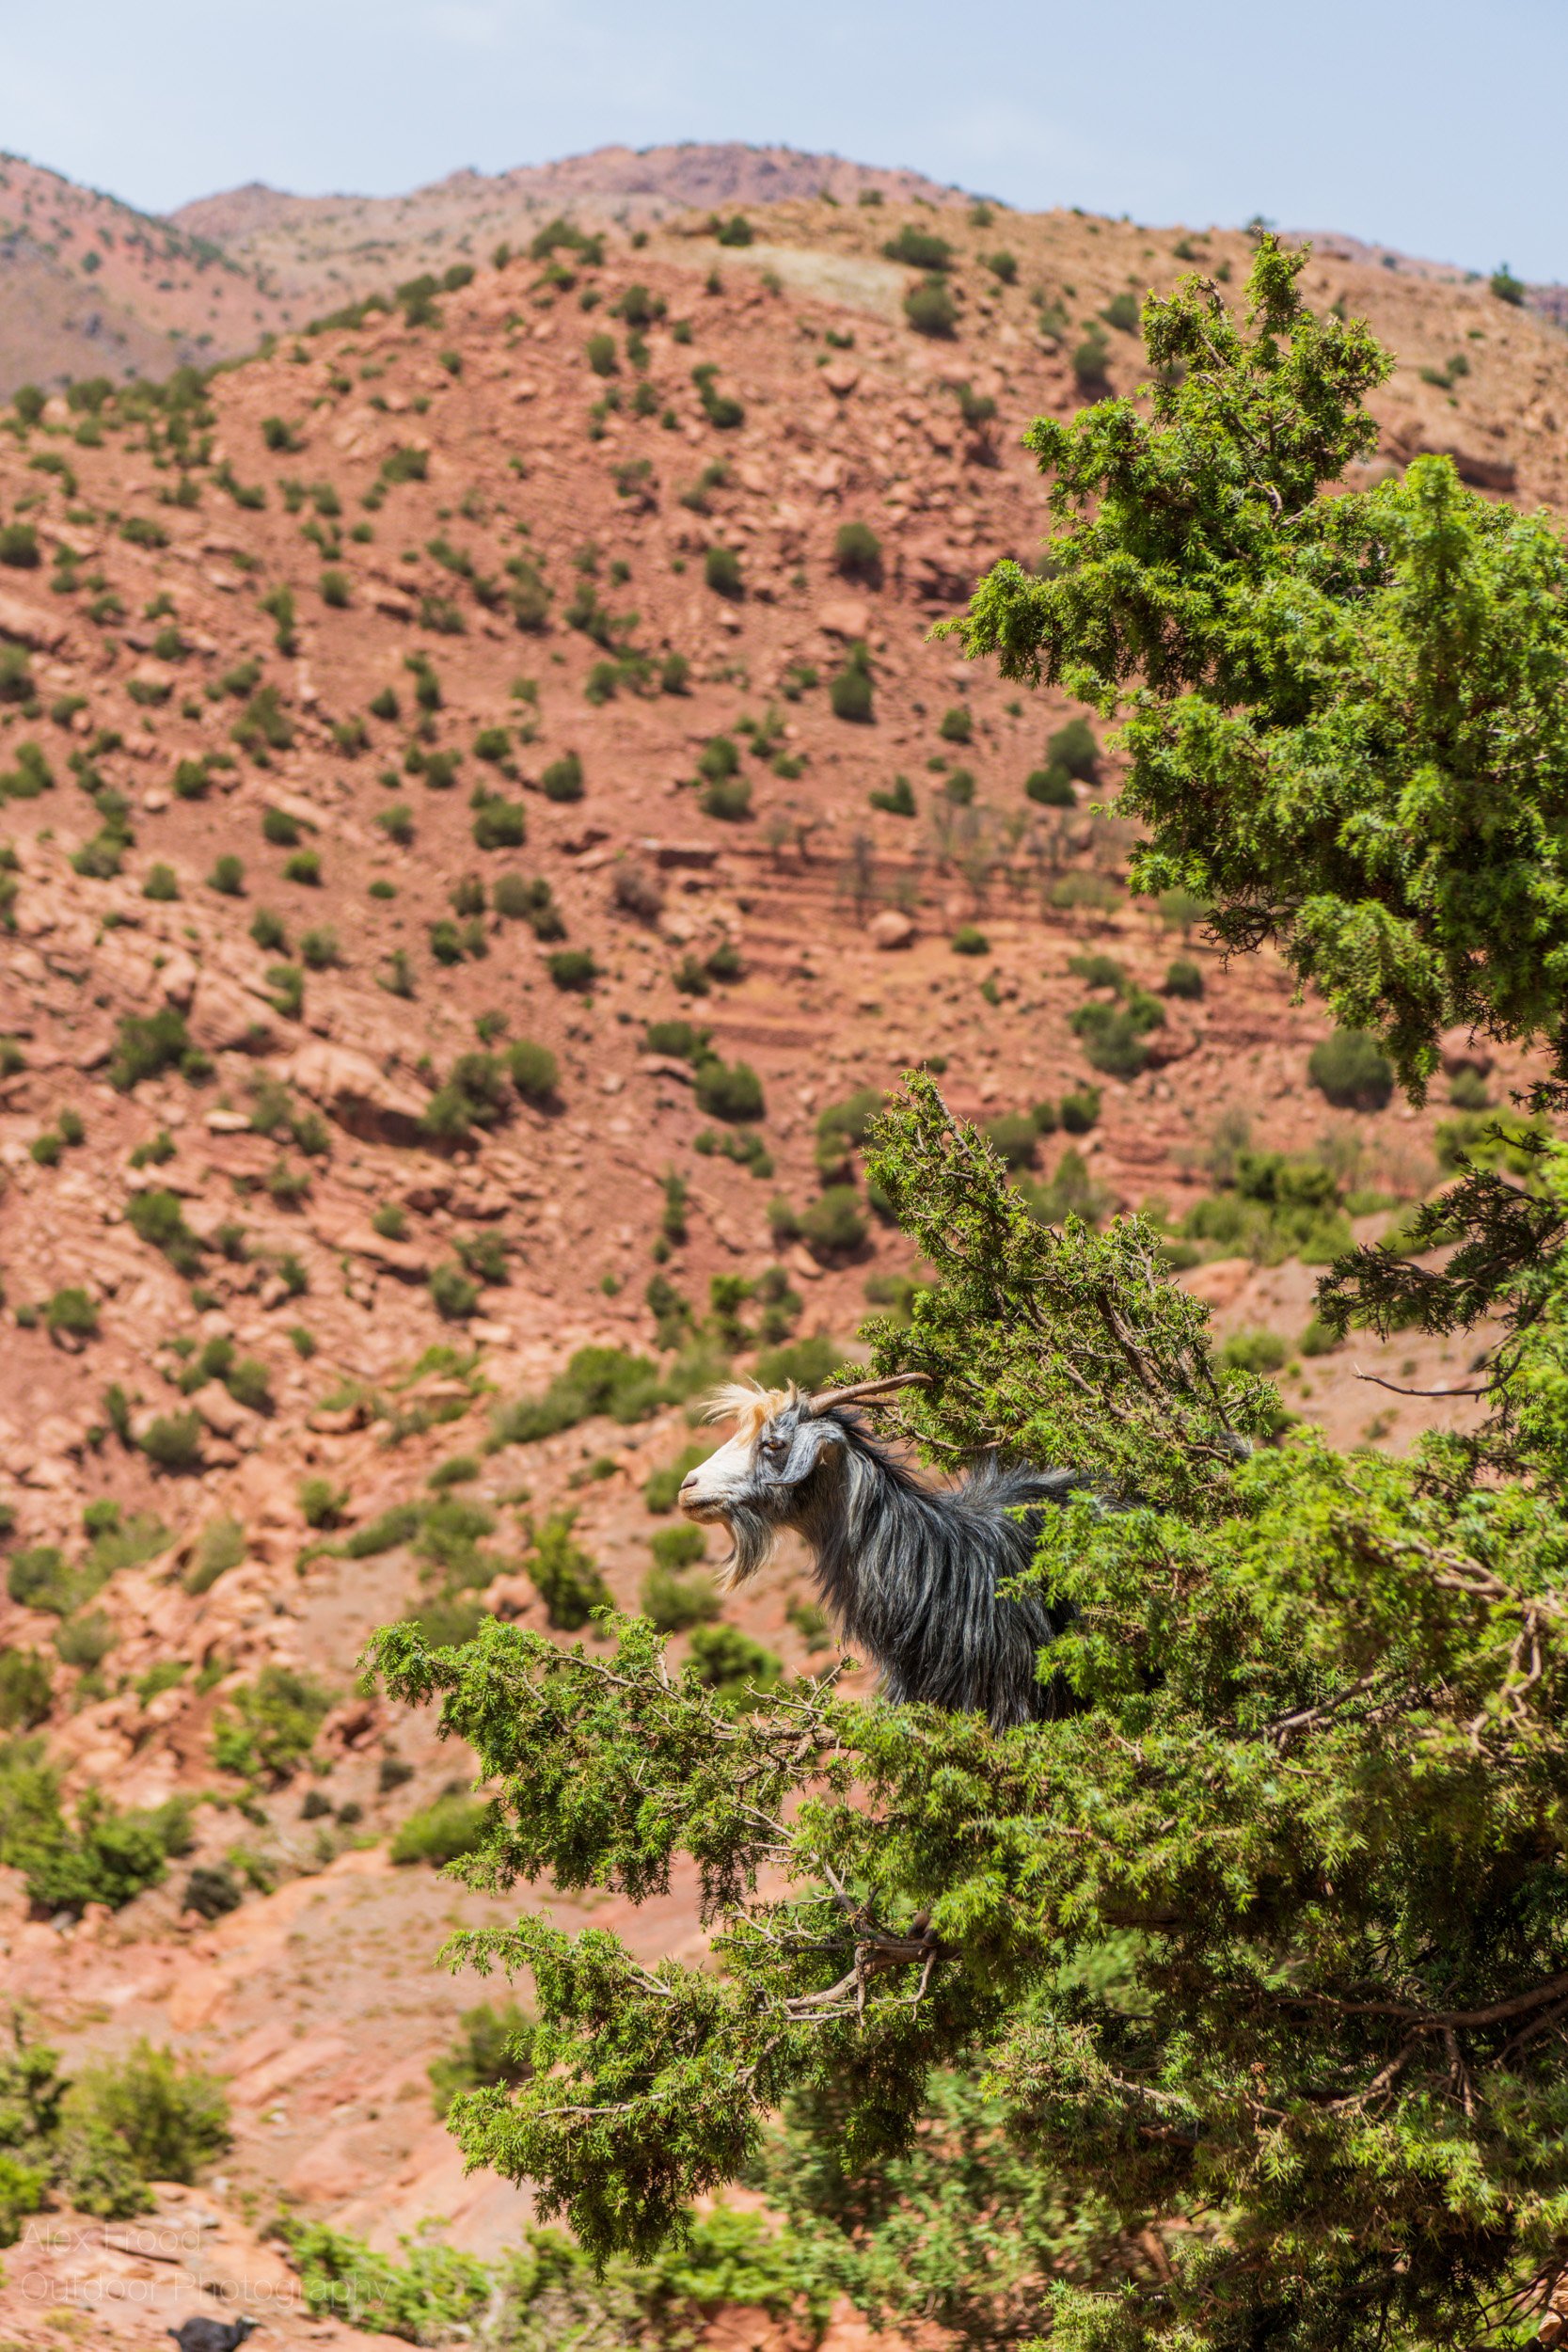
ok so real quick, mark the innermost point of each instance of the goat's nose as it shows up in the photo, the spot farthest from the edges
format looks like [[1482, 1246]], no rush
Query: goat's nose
[[690, 1480]]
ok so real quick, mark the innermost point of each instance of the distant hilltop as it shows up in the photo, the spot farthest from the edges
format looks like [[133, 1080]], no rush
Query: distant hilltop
[[655, 179]]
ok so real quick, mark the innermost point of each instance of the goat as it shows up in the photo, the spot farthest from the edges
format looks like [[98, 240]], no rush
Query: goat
[[911, 1572], [204, 2334]]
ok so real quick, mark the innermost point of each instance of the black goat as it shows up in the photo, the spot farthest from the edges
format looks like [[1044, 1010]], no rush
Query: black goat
[[202, 2334], [911, 1572]]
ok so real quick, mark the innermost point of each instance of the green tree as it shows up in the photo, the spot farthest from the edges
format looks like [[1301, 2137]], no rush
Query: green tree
[[1250, 1971]]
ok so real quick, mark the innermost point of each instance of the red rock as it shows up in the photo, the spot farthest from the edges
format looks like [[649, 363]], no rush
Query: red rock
[[1460, 1049], [845, 616], [353, 1090], [891, 928], [24, 623]]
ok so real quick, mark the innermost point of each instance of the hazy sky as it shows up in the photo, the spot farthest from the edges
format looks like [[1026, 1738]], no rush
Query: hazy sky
[[1431, 127]]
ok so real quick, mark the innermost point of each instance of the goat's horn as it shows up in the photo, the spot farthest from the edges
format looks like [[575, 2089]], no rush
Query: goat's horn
[[863, 1391]]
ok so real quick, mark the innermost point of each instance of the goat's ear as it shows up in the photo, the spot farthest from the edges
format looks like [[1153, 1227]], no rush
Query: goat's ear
[[813, 1438]]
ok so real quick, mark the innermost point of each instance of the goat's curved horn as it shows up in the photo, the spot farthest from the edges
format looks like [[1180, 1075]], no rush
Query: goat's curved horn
[[863, 1391]]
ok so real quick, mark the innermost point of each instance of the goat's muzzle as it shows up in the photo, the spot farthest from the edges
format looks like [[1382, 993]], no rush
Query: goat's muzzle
[[695, 1506]]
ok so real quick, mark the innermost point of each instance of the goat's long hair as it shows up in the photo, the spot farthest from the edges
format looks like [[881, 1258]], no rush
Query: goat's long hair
[[911, 1572]]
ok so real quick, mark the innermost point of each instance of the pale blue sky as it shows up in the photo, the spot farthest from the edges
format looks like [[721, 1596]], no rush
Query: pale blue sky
[[1433, 127]]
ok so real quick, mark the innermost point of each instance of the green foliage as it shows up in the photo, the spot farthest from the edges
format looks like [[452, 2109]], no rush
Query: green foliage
[[103, 1856], [145, 1044], [596, 1380], [172, 1442], [1268, 662], [673, 1603], [1352, 1070], [103, 2138], [738, 1671], [273, 1727], [562, 779], [170, 2121], [729, 1091], [919, 248], [832, 1224], [220, 1546], [1113, 1035], [491, 2048], [897, 799], [574, 970], [27, 1689], [563, 1575], [423, 2299], [453, 1296], [1217, 2009], [849, 691], [842, 1128], [722, 571], [442, 1832], [857, 553], [532, 1069], [1275, 1207]]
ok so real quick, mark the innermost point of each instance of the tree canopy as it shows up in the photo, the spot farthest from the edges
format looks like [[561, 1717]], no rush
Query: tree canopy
[[1347, 716], [1228, 2011]]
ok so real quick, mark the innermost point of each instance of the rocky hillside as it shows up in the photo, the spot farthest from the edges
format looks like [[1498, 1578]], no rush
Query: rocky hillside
[[483, 810]]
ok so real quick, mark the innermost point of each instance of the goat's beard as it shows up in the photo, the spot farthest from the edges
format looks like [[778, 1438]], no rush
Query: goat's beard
[[753, 1538]]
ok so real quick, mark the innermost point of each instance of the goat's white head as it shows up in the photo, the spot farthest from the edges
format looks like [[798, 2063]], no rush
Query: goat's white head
[[755, 1482]]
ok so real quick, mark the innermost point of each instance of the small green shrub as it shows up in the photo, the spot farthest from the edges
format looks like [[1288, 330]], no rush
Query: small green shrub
[[145, 1044], [732, 1665], [220, 1546], [968, 940], [27, 1689], [729, 798], [1051, 786], [442, 1832], [1351, 1070], [85, 1640], [533, 1069], [930, 310], [1253, 1351], [833, 1225], [674, 1604], [1184, 977], [919, 248], [573, 969], [563, 1575], [562, 779], [72, 1314], [432, 2292], [453, 1296], [273, 1727], [850, 695], [169, 2122], [729, 1091], [722, 571], [857, 553], [172, 1442], [493, 2046], [1074, 748]]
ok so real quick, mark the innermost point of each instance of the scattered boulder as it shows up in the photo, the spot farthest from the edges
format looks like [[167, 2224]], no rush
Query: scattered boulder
[[356, 1092]]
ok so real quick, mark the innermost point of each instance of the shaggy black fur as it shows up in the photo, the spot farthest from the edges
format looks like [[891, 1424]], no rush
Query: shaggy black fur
[[910, 1571]]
